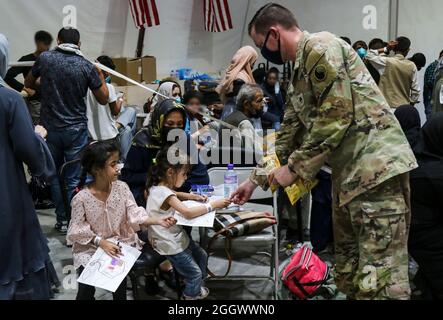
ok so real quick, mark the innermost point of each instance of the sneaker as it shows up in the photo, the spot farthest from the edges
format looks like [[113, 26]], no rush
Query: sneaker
[[204, 293], [169, 278], [61, 227]]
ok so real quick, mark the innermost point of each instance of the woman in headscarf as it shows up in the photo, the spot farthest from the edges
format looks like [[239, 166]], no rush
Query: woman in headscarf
[[24, 259], [238, 73], [167, 88], [410, 122], [426, 233]]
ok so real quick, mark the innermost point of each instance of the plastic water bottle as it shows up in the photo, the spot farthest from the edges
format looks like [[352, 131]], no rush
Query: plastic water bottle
[[231, 181]]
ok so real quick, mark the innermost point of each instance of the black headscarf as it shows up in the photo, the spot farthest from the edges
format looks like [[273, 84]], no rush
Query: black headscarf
[[153, 136], [410, 122], [429, 149], [433, 135]]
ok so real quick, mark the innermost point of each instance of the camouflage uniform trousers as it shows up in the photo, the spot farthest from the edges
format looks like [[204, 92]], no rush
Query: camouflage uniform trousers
[[371, 237]]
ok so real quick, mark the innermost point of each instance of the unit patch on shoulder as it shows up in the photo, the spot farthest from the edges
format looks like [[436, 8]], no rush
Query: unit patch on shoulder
[[320, 73]]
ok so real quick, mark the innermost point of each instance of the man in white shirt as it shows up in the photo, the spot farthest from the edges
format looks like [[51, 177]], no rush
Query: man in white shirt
[[111, 121], [399, 76]]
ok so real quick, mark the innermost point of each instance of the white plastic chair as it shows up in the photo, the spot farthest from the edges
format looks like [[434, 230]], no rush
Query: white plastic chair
[[267, 238]]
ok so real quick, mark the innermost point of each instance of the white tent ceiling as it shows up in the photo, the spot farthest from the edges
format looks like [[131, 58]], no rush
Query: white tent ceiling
[[180, 41]]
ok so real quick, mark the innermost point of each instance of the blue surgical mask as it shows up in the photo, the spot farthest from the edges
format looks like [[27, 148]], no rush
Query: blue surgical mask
[[178, 99], [108, 79], [362, 52]]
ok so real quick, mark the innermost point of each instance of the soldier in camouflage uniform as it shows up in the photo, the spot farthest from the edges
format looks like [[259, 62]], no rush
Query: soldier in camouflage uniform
[[335, 115]]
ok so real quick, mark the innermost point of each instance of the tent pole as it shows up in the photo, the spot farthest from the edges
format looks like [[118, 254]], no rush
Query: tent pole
[[140, 42], [393, 19], [245, 23]]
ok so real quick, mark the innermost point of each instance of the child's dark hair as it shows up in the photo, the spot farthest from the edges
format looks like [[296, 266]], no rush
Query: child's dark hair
[[43, 36], [192, 95], [107, 62], [161, 164], [94, 157]]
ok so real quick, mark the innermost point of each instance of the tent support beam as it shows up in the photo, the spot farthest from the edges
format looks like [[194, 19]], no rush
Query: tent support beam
[[140, 42], [245, 23], [393, 19]]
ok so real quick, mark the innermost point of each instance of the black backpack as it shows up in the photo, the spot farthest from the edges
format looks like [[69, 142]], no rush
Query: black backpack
[[41, 193]]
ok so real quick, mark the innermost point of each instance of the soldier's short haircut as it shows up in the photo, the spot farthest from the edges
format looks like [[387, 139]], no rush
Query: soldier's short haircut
[[270, 15], [403, 44], [247, 93]]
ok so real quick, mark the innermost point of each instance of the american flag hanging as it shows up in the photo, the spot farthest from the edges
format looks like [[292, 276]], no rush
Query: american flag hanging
[[144, 13], [217, 15]]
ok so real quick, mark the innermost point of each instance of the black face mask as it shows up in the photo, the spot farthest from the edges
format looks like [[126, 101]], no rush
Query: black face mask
[[165, 132], [272, 56]]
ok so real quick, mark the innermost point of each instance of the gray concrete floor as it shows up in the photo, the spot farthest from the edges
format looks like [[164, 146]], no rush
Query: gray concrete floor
[[244, 263]]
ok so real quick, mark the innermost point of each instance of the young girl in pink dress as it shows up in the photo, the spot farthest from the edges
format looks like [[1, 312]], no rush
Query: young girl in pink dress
[[104, 213]]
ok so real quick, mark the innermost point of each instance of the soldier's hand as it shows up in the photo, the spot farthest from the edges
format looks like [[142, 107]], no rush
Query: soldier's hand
[[243, 192], [282, 177]]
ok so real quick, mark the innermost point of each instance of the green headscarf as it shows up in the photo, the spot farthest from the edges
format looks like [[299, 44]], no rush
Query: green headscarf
[[151, 136]]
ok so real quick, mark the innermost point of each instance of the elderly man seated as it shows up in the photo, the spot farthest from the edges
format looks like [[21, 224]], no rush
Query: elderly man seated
[[247, 118]]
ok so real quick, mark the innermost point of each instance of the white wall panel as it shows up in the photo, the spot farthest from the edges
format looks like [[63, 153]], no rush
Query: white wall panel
[[421, 21]]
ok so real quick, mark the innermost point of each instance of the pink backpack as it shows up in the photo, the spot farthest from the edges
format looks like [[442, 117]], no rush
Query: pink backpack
[[305, 274]]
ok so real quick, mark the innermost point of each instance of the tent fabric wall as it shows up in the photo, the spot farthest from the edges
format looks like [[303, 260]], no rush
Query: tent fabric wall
[[101, 24], [181, 41], [343, 17], [421, 22]]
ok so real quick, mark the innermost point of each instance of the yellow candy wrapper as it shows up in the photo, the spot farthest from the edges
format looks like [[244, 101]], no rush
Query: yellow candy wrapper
[[299, 189], [296, 191]]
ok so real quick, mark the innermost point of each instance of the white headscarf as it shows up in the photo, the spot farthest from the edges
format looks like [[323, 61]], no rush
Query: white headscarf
[[4, 58], [165, 89]]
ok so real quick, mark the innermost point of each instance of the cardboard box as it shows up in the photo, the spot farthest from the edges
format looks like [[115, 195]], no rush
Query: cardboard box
[[149, 69], [131, 68]]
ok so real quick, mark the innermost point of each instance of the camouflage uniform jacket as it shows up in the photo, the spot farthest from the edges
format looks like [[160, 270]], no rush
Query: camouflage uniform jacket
[[336, 115]]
